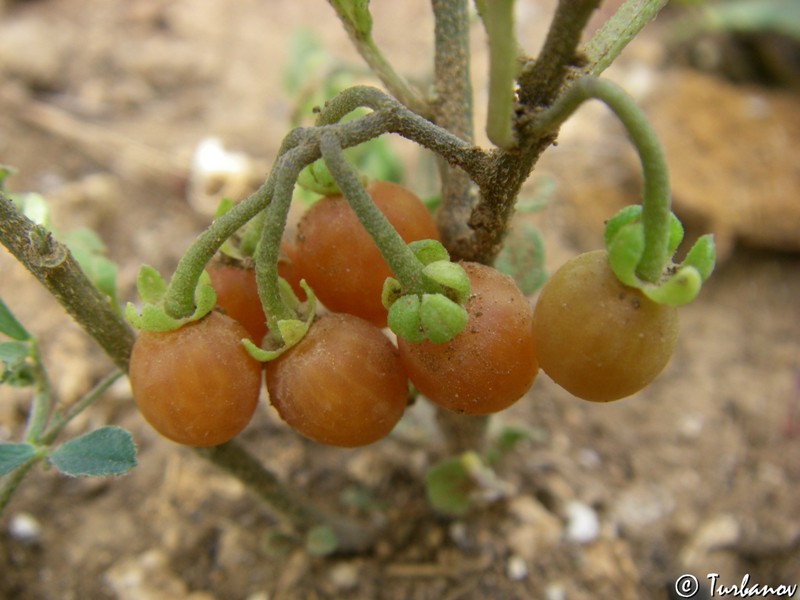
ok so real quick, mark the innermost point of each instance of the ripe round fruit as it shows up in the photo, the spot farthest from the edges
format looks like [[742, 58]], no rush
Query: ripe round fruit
[[237, 295], [196, 385], [342, 385], [338, 258], [597, 338], [488, 366]]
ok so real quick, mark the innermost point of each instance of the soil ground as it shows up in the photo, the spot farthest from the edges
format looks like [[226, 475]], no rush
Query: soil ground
[[102, 105]]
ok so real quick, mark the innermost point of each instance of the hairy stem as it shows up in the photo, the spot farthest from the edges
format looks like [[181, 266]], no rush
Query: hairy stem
[[499, 19], [608, 42], [453, 111], [401, 260], [541, 80], [361, 35], [54, 266], [656, 189]]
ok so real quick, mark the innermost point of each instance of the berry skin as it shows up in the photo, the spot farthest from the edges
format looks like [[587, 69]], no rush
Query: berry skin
[[489, 365], [338, 258], [237, 295], [196, 385], [597, 338], [341, 385]]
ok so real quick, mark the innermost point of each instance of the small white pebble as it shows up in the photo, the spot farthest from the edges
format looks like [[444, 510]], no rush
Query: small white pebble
[[25, 528], [344, 576], [583, 526], [516, 569]]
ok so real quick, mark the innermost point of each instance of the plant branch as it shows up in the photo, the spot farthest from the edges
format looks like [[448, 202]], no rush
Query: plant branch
[[361, 35], [656, 189], [401, 260], [542, 79], [608, 42], [54, 266], [498, 16]]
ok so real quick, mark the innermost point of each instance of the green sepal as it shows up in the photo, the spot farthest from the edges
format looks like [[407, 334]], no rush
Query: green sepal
[[451, 276], [429, 251], [679, 289], [441, 318], [292, 331], [625, 251], [318, 179], [391, 292], [152, 289], [150, 286], [626, 216], [404, 318], [702, 256]]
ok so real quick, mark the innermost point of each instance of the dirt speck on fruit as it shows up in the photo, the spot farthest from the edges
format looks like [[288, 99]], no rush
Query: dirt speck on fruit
[[102, 107]]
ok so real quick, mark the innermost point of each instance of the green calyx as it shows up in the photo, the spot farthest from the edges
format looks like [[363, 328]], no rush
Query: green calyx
[[152, 289], [679, 284], [438, 314], [291, 331]]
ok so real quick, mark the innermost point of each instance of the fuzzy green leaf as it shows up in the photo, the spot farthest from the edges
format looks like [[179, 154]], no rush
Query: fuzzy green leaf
[[14, 455], [100, 453]]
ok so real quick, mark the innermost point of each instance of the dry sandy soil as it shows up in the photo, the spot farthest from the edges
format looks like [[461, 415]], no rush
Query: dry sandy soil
[[101, 107]]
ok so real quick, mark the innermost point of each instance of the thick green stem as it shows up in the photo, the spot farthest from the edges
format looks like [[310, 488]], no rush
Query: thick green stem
[[499, 19], [401, 260], [656, 200]]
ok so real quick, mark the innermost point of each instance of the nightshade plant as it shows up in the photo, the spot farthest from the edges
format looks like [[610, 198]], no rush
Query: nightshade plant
[[429, 296]]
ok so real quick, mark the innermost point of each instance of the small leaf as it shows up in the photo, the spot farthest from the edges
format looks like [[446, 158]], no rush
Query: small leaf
[[448, 486], [522, 258], [10, 326], [321, 541], [100, 453], [35, 207], [15, 369], [441, 318], [14, 455]]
